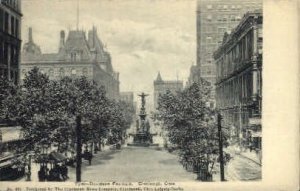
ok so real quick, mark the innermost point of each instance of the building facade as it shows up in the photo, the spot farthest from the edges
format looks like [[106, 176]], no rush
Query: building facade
[[77, 55], [214, 18], [10, 39], [239, 79], [161, 87], [127, 97]]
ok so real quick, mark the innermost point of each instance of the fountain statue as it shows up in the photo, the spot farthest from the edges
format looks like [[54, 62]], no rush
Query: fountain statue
[[142, 136]]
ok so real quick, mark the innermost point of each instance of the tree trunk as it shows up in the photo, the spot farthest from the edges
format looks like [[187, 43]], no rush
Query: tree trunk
[[78, 148]]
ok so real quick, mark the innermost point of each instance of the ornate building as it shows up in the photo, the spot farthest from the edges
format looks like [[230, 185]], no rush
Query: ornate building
[[239, 79], [10, 42], [214, 18], [161, 86], [76, 56]]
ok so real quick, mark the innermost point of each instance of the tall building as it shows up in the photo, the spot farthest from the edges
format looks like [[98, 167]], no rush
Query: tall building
[[10, 39], [214, 18], [161, 86], [239, 79], [77, 55]]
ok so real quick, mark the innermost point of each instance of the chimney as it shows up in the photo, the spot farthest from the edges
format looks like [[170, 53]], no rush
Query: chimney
[[62, 40], [30, 35]]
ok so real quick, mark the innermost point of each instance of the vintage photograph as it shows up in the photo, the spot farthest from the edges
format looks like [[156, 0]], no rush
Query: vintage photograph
[[131, 90]]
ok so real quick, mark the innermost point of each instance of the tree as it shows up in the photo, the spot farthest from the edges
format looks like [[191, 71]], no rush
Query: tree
[[7, 90], [191, 125]]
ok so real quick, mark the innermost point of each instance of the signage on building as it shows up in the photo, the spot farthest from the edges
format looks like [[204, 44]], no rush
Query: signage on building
[[255, 121]]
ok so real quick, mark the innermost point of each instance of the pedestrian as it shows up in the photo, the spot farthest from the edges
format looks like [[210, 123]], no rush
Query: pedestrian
[[27, 173], [64, 172]]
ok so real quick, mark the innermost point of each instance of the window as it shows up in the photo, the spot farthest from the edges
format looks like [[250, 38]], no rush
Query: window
[[1, 51], [73, 56], [260, 33], [208, 40], [23, 74], [209, 18], [84, 71], [232, 7], [51, 72], [6, 22], [12, 24], [232, 18], [238, 18], [1, 19], [5, 53], [209, 6], [224, 18], [17, 28], [61, 72], [73, 72], [225, 7]]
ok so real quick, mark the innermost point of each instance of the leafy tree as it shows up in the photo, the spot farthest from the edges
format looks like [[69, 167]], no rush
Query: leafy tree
[[190, 124], [7, 90]]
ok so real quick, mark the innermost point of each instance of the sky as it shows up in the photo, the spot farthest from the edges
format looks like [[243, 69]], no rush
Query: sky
[[142, 36]]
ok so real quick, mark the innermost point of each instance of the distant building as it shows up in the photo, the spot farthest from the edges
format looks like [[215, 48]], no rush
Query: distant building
[[161, 86], [239, 79], [76, 56], [127, 97], [214, 18], [10, 39]]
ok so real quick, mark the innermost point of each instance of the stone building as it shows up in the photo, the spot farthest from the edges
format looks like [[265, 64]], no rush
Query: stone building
[[239, 79], [161, 86], [77, 55], [127, 97], [10, 39], [214, 18]]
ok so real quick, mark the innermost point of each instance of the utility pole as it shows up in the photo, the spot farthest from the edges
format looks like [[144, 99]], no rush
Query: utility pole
[[78, 148], [221, 147]]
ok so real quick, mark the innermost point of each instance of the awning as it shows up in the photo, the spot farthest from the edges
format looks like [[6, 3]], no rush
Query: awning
[[256, 134], [9, 134], [57, 157]]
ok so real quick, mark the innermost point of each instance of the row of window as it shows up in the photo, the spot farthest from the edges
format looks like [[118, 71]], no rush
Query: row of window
[[12, 3], [12, 74], [243, 50], [235, 91], [9, 54], [233, 7], [9, 24], [61, 72], [223, 18]]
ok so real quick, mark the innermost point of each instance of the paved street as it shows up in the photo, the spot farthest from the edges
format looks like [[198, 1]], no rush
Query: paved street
[[134, 164]]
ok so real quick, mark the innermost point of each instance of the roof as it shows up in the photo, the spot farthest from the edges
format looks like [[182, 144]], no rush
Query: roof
[[10, 133], [227, 39], [158, 78]]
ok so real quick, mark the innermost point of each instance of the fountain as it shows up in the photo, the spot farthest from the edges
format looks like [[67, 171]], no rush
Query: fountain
[[142, 136]]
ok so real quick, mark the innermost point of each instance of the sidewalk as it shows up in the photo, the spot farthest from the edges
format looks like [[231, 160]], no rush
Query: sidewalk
[[251, 155], [35, 166]]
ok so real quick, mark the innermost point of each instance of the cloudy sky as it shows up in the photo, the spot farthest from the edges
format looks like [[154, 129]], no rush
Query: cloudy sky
[[143, 36]]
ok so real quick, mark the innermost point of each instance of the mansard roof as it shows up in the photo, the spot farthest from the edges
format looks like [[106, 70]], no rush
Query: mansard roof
[[90, 49]]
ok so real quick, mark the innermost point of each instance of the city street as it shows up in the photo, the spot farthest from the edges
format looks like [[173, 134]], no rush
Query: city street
[[134, 164]]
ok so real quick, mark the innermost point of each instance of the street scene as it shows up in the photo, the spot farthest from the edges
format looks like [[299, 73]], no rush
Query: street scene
[[131, 91]]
